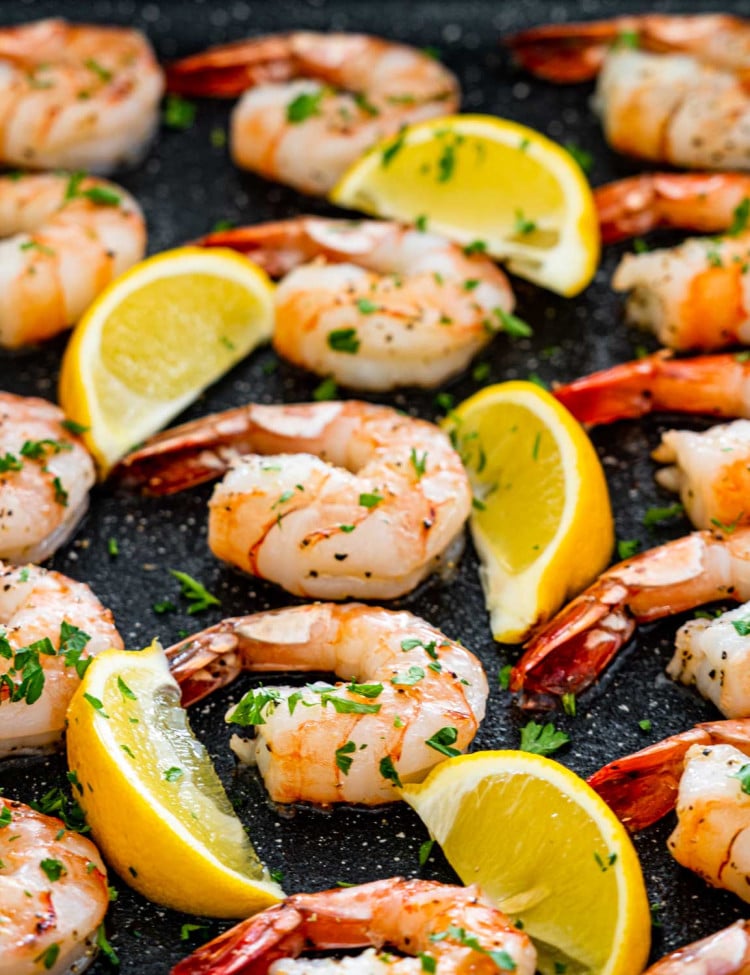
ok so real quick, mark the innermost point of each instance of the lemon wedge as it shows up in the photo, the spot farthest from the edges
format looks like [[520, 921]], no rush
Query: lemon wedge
[[542, 523], [155, 338], [489, 184], [548, 851], [156, 807]]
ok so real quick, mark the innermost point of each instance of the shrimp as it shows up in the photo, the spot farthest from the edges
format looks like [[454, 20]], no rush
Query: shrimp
[[577, 51], [725, 953], [76, 96], [711, 473], [315, 102], [567, 654], [45, 476], [707, 202], [53, 894], [381, 305], [717, 385], [712, 655], [374, 503], [414, 697], [51, 626], [66, 238], [455, 929]]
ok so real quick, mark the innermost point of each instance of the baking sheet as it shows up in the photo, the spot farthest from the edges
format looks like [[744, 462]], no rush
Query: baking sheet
[[185, 185]]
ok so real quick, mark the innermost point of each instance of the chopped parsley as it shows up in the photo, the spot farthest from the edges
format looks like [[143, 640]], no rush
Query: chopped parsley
[[173, 774], [99, 70], [187, 929], [627, 547], [584, 159], [96, 704], [370, 499], [412, 676], [393, 148], [366, 306], [388, 771], [418, 463], [53, 869], [113, 549], [343, 756], [645, 724], [523, 225], [655, 516], [195, 592], [49, 956], [500, 957], [75, 428], [425, 850], [326, 390], [443, 740], [514, 326], [542, 739], [742, 627], [304, 106], [344, 340], [475, 247], [739, 218], [250, 710], [178, 113], [503, 678]]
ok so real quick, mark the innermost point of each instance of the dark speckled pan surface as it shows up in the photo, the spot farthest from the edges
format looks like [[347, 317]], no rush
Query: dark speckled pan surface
[[185, 185]]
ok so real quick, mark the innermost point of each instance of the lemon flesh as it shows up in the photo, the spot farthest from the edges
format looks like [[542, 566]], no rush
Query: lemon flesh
[[542, 522], [156, 338], [548, 851], [477, 178], [156, 807]]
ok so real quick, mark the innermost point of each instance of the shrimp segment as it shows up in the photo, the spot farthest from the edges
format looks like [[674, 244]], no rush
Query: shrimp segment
[[50, 626], [411, 687], [455, 927], [412, 307], [717, 385], [315, 102], [706, 202], [576, 52], [725, 953], [567, 654], [49, 918], [45, 478], [359, 501], [76, 96], [66, 238]]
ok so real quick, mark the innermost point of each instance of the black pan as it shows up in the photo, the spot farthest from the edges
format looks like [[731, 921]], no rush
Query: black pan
[[185, 186]]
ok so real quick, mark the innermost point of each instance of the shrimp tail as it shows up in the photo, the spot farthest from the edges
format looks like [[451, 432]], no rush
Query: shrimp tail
[[725, 953], [227, 70], [711, 384], [570, 651], [567, 53]]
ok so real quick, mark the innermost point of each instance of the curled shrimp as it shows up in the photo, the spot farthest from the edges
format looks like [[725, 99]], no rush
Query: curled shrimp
[[716, 385], [414, 697], [373, 303], [358, 500], [50, 626], [576, 52], [53, 894], [76, 96], [315, 102], [706, 202], [454, 928], [66, 238], [568, 653], [725, 953], [45, 476]]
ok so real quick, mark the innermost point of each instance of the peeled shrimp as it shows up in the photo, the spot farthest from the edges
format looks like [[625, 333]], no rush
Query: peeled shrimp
[[66, 238], [713, 655], [414, 697], [50, 626], [314, 103], [45, 476], [372, 303], [53, 894], [717, 385], [437, 927], [725, 953], [76, 96], [569, 652], [357, 500]]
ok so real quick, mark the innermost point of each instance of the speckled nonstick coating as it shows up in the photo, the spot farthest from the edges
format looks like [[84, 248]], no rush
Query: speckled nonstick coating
[[185, 185]]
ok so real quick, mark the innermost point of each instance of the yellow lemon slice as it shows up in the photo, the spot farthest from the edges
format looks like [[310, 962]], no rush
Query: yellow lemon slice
[[542, 523], [156, 807], [548, 851], [489, 184], [155, 338]]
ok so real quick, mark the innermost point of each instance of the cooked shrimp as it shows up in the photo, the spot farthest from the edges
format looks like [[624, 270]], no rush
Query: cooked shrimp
[[725, 953], [76, 96], [314, 103], [381, 305], [713, 655], [454, 928], [576, 52], [53, 894], [711, 473], [706, 202], [414, 697], [642, 788], [66, 238], [359, 501], [569, 652], [50, 627], [45, 476], [717, 385]]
